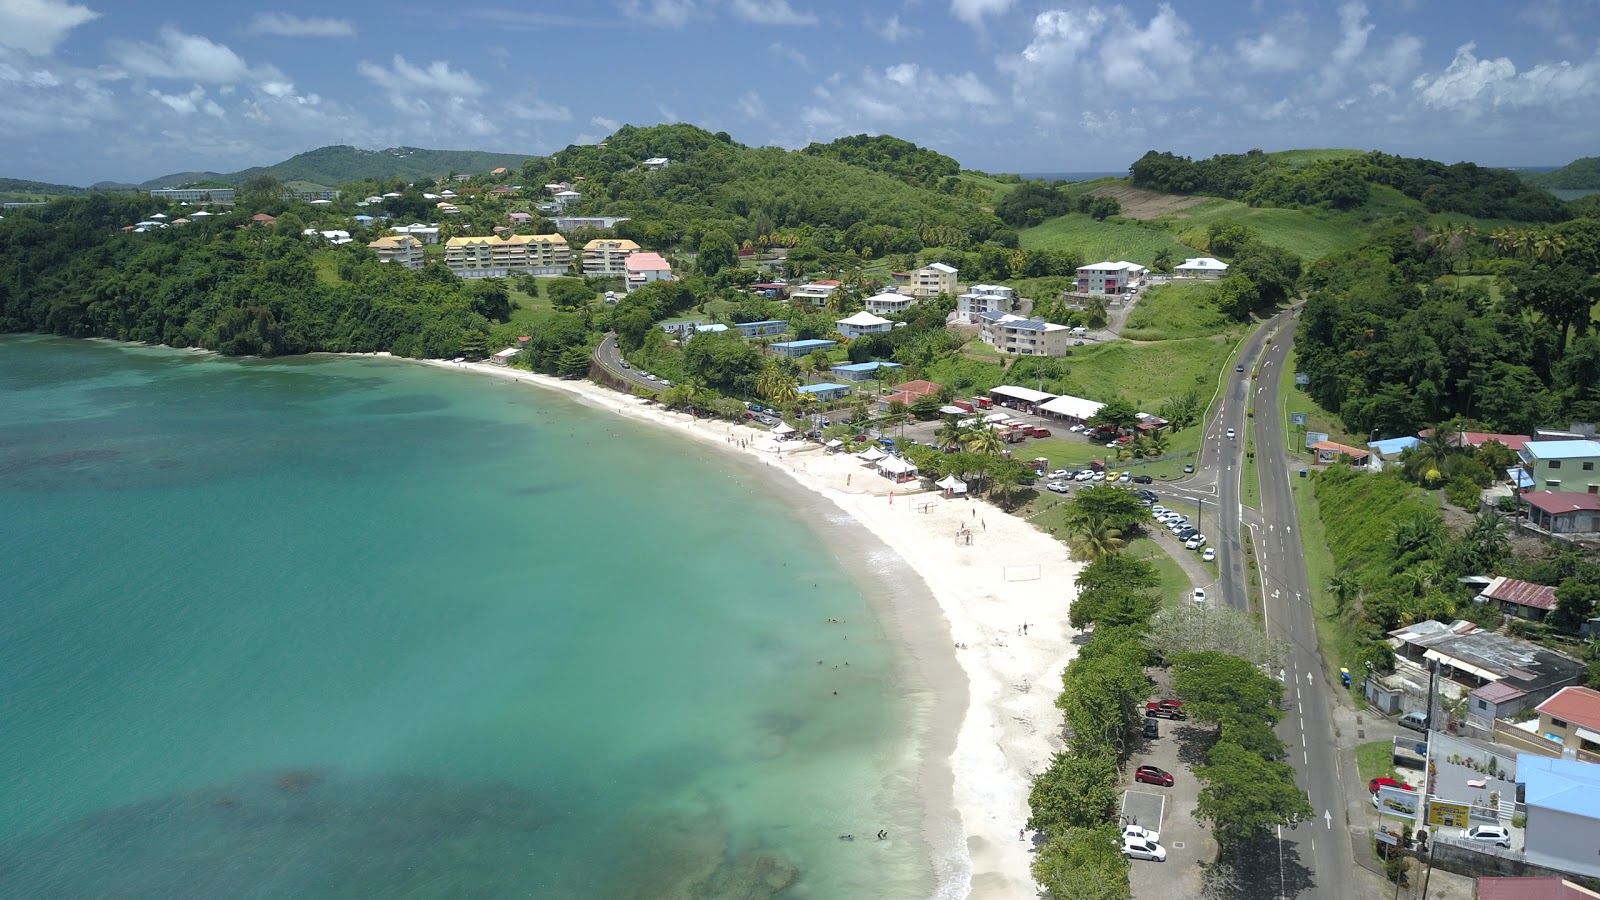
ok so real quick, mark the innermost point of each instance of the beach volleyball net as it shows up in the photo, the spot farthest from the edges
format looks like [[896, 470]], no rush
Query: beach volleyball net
[[1024, 573]]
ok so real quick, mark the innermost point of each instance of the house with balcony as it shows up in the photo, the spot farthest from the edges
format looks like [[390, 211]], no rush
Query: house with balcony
[[656, 163], [499, 257], [814, 294], [825, 392], [428, 234], [519, 219], [402, 249], [1109, 277], [889, 304], [607, 257], [1201, 267], [863, 323], [568, 199], [645, 268], [1570, 465], [985, 298], [1019, 335], [933, 279]]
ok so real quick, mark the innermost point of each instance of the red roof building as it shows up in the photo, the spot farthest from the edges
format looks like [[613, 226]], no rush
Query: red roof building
[[1523, 599], [1476, 439], [1328, 451], [1549, 887], [1564, 512], [908, 392], [1574, 705], [263, 219]]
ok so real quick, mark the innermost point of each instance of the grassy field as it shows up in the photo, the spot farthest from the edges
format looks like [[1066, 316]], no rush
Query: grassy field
[[326, 265], [1147, 375], [1375, 759], [1298, 158], [1175, 587], [1177, 310], [1103, 240], [1317, 419], [1310, 234]]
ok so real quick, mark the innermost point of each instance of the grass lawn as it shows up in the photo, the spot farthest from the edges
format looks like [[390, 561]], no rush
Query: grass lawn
[[1175, 586], [326, 265], [1147, 375], [1375, 759], [1103, 240], [1250, 480], [1310, 234], [1296, 400], [1174, 311], [1336, 641]]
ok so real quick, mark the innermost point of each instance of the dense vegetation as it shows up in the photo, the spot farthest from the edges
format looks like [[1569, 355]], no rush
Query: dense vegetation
[[1261, 179], [339, 164], [889, 155], [1578, 175], [21, 187]]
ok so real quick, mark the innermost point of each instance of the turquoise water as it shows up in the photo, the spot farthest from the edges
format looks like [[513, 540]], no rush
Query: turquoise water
[[349, 627]]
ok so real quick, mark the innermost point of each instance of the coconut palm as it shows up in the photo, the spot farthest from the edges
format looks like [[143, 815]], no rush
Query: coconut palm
[[1418, 532], [1428, 460], [1090, 536], [781, 389], [950, 434], [984, 440], [1489, 538], [1343, 585]]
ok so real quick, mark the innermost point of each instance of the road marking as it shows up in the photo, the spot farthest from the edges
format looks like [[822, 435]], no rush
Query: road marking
[[1297, 693], [1308, 678], [1301, 709], [1327, 816], [1302, 737], [1306, 756], [1274, 593]]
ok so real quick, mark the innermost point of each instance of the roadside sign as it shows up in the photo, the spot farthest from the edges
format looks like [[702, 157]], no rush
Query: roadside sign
[[1450, 815], [1384, 837], [1315, 437], [1298, 418], [1393, 801], [1302, 379]]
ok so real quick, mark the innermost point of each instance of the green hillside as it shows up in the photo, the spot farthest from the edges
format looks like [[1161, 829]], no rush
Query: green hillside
[[1578, 175], [341, 163], [1108, 240], [24, 188]]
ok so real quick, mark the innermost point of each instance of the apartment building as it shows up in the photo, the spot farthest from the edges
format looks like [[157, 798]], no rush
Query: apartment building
[[1572, 466], [933, 280], [399, 248], [1109, 277], [607, 257], [646, 268], [985, 298], [518, 254], [194, 195], [1022, 336]]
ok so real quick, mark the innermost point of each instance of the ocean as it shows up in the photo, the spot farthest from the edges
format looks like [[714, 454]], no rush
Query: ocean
[[347, 627]]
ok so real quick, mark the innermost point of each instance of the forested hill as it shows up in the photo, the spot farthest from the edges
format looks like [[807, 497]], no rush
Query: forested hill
[[889, 155], [19, 186], [1343, 182], [1578, 175], [339, 164]]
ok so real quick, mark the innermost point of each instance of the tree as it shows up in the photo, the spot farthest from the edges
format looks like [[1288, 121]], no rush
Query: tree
[[1343, 584], [1237, 297], [1083, 864], [1091, 536], [1005, 475], [1162, 261], [1116, 413], [1246, 796], [1218, 688], [716, 253], [568, 293], [984, 439], [1117, 507], [950, 434], [926, 407], [1183, 410], [1175, 631], [1576, 601], [1077, 790], [1488, 540]]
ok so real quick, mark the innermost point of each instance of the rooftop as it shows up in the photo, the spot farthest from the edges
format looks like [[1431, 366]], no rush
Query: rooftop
[[1558, 502], [1352, 452], [1579, 705], [1393, 446], [864, 319], [919, 387], [1562, 449], [1028, 395], [646, 262], [1565, 785], [1522, 593], [1498, 692], [823, 388], [941, 267], [813, 342], [1547, 887], [1490, 656], [866, 366]]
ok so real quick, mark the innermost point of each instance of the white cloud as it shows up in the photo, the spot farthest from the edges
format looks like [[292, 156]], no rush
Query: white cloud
[[750, 106], [906, 92], [39, 26], [770, 12], [286, 25], [190, 103], [609, 126], [1280, 49], [1086, 53], [181, 57], [893, 30], [973, 11], [1473, 86], [435, 77], [667, 113], [43, 96], [665, 13], [436, 97], [791, 54]]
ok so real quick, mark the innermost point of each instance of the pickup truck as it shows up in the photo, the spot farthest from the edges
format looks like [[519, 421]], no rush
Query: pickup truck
[[1165, 709]]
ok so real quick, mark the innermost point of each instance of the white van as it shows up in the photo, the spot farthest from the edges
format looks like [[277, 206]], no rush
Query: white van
[[1080, 331]]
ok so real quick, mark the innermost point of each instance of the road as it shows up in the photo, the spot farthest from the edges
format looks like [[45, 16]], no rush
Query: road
[[610, 359]]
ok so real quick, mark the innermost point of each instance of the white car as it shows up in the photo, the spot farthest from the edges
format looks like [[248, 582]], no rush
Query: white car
[[666, 383], [1195, 543], [1125, 477], [1085, 475], [1098, 476], [649, 376], [1210, 555], [1138, 833], [1059, 474], [1060, 487], [1177, 522], [1075, 429], [1199, 596], [1487, 834], [1142, 849], [1158, 509], [1230, 434]]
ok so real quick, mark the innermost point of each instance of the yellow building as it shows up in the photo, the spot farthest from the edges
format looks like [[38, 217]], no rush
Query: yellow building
[[517, 254], [607, 257], [401, 248]]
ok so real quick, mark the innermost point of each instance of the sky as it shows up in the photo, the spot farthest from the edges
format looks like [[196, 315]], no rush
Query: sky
[[121, 90]]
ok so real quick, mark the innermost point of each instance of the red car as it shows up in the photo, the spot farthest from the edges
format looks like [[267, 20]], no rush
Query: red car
[[1165, 709], [1153, 775], [1164, 703], [1377, 784]]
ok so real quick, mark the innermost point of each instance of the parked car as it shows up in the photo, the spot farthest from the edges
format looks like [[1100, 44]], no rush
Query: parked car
[[1195, 542], [1142, 479], [1148, 495], [1111, 476], [1209, 556], [1098, 476], [1153, 775], [1085, 475], [1151, 729], [1139, 833], [1149, 850], [1377, 783], [1059, 487], [1416, 721], [1188, 468], [1125, 477], [1230, 434], [1498, 835], [1199, 596], [1060, 474], [1075, 429]]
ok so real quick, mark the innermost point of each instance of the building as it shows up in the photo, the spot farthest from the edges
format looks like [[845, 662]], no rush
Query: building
[[504, 357], [517, 254], [985, 298], [866, 371], [521, 218], [572, 223], [1495, 700], [933, 280], [399, 248], [656, 162], [263, 219], [1109, 277], [1563, 813], [908, 393], [814, 294], [1201, 267], [1532, 888], [1522, 599], [762, 328], [310, 196], [863, 323], [1009, 333], [194, 195], [1329, 452], [1473, 657], [1013, 397], [1072, 409], [646, 268], [1563, 512], [1563, 465], [797, 349], [888, 304], [825, 392], [1387, 452], [607, 257], [568, 199], [428, 234]]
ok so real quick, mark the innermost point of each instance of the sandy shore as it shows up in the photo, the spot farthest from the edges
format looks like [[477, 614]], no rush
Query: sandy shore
[[991, 573]]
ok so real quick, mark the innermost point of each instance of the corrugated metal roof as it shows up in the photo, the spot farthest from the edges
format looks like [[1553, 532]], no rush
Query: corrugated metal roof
[[1562, 449], [1522, 593], [1561, 784], [1546, 887], [1579, 705], [1559, 502]]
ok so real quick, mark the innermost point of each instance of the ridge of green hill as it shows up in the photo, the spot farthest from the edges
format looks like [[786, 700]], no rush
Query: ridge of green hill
[[40, 188], [1578, 175], [342, 163]]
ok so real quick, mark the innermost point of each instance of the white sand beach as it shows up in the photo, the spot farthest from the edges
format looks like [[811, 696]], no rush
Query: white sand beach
[[991, 573]]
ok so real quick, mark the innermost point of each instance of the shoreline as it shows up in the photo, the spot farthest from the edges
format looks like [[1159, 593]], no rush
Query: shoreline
[[1009, 576]]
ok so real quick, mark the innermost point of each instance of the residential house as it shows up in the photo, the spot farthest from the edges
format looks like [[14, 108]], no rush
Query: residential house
[[568, 199], [825, 392], [1201, 267], [1563, 465], [448, 209], [645, 268], [1569, 724], [814, 294], [517, 254], [1530, 887], [1387, 453], [1329, 452], [763, 327], [607, 257], [1495, 700], [428, 234], [1522, 599], [888, 304], [498, 171], [985, 298], [1014, 334], [656, 162], [1109, 277], [520, 218], [908, 393], [866, 371], [336, 237], [797, 349], [399, 248], [310, 196], [1563, 813], [863, 323], [1562, 512], [771, 290], [933, 279], [503, 191], [194, 195], [1472, 657], [263, 219]]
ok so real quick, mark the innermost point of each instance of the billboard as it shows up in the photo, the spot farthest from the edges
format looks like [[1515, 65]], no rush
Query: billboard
[[1450, 815], [1298, 418], [1315, 437], [1302, 379], [1393, 801]]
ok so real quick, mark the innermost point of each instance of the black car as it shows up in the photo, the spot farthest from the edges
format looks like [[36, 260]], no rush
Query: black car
[[1238, 368], [1142, 479], [1151, 729]]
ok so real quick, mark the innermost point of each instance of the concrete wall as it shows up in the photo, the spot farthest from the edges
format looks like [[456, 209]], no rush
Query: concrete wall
[[1563, 841]]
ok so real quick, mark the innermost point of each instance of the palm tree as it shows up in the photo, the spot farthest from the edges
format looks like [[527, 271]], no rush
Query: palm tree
[[1420, 531], [1490, 539], [985, 440], [1427, 460], [1004, 482], [1342, 584], [1090, 536], [780, 389], [950, 434]]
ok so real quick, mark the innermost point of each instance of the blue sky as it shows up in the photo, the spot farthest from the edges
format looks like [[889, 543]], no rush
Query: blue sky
[[122, 90]]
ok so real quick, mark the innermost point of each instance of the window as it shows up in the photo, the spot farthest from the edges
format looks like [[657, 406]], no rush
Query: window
[[1553, 483], [1482, 704], [1588, 467], [1555, 463], [1557, 723]]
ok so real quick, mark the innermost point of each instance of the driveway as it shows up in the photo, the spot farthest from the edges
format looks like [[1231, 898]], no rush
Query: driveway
[[1180, 747]]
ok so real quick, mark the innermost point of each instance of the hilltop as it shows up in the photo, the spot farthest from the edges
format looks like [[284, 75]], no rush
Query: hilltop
[[332, 165], [1578, 175]]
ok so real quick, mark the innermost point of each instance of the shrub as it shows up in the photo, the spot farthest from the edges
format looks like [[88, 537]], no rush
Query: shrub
[[1463, 492]]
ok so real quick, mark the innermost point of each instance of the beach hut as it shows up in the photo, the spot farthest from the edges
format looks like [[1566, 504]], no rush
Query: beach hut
[[897, 468], [952, 485], [871, 455]]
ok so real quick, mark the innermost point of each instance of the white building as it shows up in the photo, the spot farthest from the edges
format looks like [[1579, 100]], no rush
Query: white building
[[1022, 336], [1202, 267], [428, 234], [568, 199], [1109, 277], [656, 162], [985, 298], [933, 280], [863, 323], [814, 294], [1563, 818], [889, 304], [644, 268]]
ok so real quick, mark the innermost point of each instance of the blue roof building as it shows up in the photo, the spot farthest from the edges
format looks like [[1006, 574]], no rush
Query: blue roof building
[[797, 349], [766, 326], [1394, 446], [1563, 465], [1563, 797], [825, 391], [862, 371]]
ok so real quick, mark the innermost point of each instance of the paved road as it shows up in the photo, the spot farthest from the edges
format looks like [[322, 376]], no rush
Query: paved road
[[610, 359]]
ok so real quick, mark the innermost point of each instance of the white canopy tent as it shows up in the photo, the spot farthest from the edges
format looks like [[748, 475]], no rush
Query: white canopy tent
[[951, 485], [896, 467], [834, 444], [871, 454], [783, 428]]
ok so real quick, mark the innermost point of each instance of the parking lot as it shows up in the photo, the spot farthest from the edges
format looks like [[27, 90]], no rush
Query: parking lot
[[1187, 841]]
